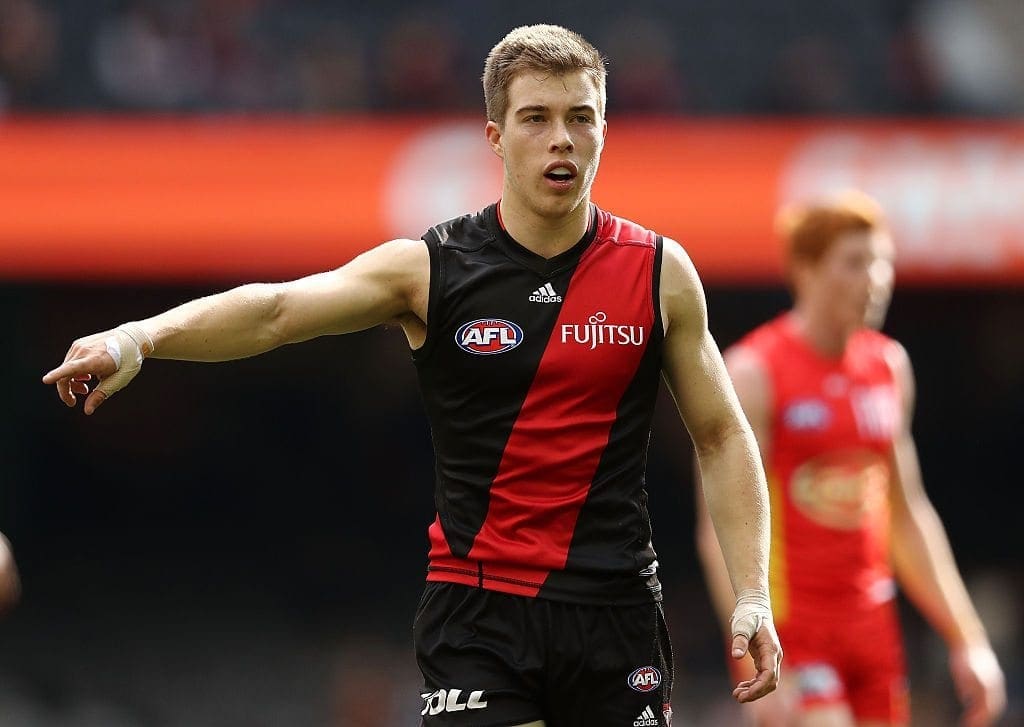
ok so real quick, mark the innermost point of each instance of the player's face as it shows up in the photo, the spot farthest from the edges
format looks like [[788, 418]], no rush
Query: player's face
[[854, 279], [550, 141]]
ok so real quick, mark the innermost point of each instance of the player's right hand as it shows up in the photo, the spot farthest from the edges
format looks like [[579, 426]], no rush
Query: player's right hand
[[753, 632], [114, 357]]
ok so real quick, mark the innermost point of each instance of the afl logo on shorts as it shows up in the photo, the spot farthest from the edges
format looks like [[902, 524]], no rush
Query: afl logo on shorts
[[644, 679], [488, 335]]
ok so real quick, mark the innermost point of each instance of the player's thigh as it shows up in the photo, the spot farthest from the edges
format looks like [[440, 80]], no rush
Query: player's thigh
[[777, 709], [538, 723], [881, 703], [878, 692], [813, 674]]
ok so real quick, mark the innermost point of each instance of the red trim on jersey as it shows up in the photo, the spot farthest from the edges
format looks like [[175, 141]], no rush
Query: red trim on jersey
[[438, 543]]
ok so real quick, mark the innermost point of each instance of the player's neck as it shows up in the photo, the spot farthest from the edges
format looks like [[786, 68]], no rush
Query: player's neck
[[820, 331], [545, 236]]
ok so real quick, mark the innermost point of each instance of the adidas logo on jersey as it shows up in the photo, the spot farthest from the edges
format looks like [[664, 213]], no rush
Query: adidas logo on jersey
[[646, 718], [545, 294]]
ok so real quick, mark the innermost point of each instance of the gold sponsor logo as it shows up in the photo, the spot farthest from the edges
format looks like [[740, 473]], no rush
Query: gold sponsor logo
[[842, 490]]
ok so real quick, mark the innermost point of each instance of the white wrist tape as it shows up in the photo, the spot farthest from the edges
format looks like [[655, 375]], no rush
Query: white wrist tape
[[752, 610], [127, 345]]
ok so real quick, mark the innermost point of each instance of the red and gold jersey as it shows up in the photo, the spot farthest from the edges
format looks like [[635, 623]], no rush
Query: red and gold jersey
[[833, 421]]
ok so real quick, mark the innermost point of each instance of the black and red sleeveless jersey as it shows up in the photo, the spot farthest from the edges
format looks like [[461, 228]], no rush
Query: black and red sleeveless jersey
[[539, 378]]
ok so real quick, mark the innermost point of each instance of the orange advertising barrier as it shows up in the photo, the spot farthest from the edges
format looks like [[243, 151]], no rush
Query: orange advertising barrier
[[194, 198]]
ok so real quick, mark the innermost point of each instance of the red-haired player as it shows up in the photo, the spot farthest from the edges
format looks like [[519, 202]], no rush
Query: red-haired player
[[830, 401]]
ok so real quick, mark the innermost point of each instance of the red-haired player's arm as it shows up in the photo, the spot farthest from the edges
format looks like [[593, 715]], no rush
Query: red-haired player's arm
[[927, 572]]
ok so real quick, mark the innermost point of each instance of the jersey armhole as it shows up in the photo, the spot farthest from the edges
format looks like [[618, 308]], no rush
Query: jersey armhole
[[659, 322], [435, 286]]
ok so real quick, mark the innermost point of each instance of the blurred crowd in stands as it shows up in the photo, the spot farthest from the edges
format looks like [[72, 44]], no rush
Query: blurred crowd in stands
[[692, 56]]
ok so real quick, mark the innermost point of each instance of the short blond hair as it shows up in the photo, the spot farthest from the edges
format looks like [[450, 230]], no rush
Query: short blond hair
[[544, 48]]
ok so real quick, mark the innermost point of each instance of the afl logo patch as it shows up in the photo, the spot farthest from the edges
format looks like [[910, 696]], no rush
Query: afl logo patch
[[644, 679], [485, 336]]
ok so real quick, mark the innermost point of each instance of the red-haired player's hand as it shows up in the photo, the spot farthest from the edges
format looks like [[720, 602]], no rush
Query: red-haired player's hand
[[979, 683]]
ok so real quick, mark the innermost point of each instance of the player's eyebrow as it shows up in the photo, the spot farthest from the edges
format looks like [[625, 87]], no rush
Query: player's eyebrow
[[541, 107]]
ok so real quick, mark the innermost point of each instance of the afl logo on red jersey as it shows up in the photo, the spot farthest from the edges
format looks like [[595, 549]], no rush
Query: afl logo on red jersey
[[644, 679], [485, 336]]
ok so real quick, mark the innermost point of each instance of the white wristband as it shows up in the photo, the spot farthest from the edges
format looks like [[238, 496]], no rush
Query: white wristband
[[753, 608]]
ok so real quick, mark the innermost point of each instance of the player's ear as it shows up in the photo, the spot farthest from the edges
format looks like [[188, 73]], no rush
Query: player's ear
[[493, 133]]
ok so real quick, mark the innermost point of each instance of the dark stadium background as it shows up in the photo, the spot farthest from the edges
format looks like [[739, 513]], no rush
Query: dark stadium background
[[244, 544]]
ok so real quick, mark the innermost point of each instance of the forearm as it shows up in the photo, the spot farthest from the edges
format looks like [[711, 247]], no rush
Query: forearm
[[709, 552], [737, 501], [234, 324], [928, 574], [923, 558], [716, 574]]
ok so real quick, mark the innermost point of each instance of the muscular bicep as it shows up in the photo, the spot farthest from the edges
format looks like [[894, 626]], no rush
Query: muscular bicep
[[693, 366], [732, 478], [387, 283]]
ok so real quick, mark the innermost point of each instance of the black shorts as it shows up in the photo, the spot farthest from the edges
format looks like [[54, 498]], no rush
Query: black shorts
[[491, 659]]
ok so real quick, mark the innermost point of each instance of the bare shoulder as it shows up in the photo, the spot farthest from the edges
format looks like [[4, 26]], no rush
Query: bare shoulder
[[744, 364], [678, 275], [399, 264], [402, 256], [752, 383], [898, 360], [405, 264], [682, 295]]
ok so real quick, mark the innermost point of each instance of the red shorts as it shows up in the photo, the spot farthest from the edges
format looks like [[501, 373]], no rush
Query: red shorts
[[852, 658]]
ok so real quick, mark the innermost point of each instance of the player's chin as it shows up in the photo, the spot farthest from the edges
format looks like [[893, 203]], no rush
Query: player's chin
[[559, 205]]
